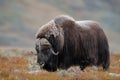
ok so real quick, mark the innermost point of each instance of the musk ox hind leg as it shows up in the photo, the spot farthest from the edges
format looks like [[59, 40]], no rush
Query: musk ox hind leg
[[106, 62], [106, 57], [103, 51]]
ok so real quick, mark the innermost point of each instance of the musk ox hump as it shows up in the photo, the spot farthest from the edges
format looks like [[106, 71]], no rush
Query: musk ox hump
[[87, 24], [61, 20], [47, 30]]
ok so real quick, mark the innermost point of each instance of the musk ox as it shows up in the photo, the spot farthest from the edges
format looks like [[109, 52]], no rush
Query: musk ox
[[64, 42]]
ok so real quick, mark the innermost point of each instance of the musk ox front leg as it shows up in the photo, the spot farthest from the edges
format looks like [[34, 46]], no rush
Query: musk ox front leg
[[84, 64], [82, 67]]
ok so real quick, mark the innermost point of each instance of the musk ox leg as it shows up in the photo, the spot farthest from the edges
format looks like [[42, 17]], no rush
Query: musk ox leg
[[105, 67], [106, 61], [84, 64], [50, 68], [103, 51], [82, 67]]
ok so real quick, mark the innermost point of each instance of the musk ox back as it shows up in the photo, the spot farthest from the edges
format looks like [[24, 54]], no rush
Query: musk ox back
[[64, 42]]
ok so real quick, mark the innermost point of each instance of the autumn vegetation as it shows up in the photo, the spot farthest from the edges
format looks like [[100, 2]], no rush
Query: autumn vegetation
[[24, 67]]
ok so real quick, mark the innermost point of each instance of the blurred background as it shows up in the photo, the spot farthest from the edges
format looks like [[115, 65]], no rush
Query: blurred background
[[20, 19]]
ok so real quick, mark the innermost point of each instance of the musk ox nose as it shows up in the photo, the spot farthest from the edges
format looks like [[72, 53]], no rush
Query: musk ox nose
[[41, 63]]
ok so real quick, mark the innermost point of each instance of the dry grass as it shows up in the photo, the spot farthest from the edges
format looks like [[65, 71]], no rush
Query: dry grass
[[18, 68]]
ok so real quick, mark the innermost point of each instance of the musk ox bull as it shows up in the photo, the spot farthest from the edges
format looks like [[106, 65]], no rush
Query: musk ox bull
[[64, 42]]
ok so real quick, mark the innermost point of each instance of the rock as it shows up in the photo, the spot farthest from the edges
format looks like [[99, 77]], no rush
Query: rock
[[94, 68], [114, 74]]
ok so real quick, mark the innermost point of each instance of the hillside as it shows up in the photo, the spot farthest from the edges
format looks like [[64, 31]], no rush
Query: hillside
[[20, 19]]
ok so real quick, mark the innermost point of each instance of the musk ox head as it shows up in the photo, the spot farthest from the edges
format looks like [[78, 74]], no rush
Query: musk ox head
[[46, 55]]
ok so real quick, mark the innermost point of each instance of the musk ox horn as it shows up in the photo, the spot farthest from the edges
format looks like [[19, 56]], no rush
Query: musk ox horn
[[54, 52], [44, 41]]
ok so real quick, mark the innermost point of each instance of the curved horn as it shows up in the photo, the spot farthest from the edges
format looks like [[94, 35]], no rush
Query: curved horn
[[54, 52], [44, 41]]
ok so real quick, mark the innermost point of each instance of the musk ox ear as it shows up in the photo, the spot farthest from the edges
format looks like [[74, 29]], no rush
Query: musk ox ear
[[64, 20]]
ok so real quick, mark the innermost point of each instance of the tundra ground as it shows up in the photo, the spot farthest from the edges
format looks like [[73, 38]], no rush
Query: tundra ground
[[20, 64]]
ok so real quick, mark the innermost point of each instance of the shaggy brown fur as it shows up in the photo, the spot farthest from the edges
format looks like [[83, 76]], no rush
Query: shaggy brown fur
[[80, 43]]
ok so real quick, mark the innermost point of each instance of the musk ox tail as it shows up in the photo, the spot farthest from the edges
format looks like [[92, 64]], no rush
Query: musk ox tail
[[103, 51]]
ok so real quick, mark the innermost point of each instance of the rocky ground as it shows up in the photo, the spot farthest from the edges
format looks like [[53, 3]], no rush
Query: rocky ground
[[20, 64]]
